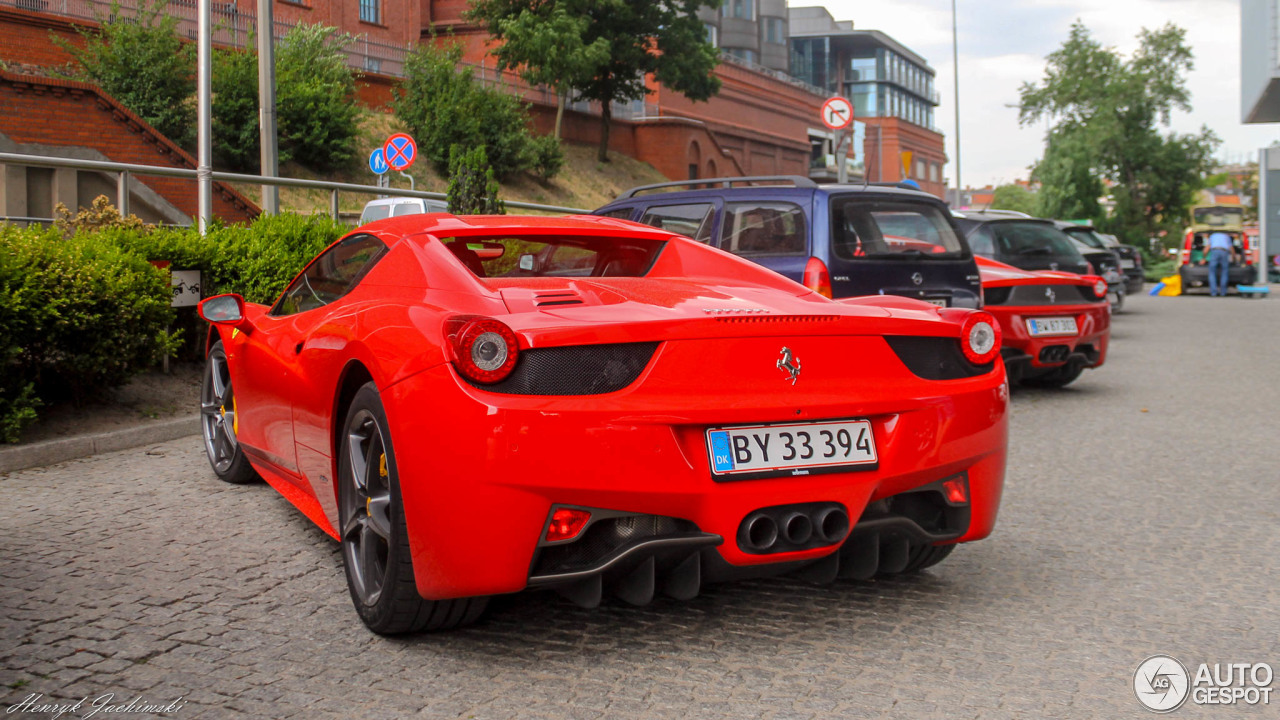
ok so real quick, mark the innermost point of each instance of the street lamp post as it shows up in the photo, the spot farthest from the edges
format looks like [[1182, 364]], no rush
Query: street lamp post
[[955, 66], [204, 137]]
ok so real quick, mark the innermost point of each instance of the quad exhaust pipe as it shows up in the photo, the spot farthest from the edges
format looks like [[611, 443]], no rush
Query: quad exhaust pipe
[[788, 528]]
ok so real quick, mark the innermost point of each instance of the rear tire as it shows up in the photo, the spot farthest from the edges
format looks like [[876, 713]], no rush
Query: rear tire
[[926, 556], [1056, 378], [375, 541]]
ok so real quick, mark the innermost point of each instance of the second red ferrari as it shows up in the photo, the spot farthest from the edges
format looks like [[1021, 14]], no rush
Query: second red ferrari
[[1054, 324]]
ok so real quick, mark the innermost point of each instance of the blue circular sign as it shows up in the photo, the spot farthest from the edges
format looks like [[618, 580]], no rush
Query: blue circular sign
[[378, 162]]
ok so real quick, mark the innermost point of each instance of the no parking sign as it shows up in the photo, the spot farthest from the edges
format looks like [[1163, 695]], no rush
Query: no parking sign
[[400, 151]]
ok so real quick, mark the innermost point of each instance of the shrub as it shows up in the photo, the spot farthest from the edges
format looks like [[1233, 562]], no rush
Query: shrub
[[99, 215], [443, 106], [548, 157], [142, 62], [472, 187], [317, 115], [76, 317]]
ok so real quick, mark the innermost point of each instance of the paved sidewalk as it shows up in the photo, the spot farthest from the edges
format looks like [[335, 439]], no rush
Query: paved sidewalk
[[1139, 517]]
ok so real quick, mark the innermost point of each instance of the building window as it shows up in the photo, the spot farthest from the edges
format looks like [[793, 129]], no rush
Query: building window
[[742, 54], [371, 11], [773, 31], [862, 69], [713, 34], [863, 97], [744, 9]]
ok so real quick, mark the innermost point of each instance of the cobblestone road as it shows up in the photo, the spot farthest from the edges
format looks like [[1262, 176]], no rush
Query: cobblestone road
[[1140, 517]]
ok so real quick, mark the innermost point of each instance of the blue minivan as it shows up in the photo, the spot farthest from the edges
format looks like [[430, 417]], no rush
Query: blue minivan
[[838, 240]]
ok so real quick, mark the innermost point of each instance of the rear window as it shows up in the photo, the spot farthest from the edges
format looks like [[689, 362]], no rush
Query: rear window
[[690, 220], [408, 208], [754, 229], [1087, 236], [891, 229], [1029, 238], [375, 212], [571, 256]]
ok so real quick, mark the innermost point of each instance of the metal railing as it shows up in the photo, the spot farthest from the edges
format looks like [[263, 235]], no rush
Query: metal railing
[[124, 172]]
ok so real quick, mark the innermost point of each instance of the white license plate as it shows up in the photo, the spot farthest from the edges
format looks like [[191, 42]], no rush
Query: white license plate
[[940, 302], [1126, 263], [1040, 327], [791, 449]]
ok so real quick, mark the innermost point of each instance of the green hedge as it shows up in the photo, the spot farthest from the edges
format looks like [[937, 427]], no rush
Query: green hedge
[[79, 316]]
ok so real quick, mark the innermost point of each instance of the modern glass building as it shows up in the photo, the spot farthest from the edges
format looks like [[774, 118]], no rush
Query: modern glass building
[[891, 89]]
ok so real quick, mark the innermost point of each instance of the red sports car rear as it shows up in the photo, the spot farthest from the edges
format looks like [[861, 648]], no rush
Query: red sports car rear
[[1054, 324], [487, 405]]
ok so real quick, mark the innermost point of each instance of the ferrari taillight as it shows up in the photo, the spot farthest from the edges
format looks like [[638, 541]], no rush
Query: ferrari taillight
[[816, 277], [484, 348], [566, 523], [980, 338], [1100, 289]]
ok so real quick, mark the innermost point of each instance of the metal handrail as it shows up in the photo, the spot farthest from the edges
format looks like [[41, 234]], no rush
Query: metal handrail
[[333, 187]]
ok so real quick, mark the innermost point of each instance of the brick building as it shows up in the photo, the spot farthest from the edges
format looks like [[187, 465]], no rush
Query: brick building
[[890, 87], [59, 118], [765, 120]]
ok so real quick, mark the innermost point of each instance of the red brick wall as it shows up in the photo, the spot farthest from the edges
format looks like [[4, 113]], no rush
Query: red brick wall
[[58, 112], [884, 159], [24, 38]]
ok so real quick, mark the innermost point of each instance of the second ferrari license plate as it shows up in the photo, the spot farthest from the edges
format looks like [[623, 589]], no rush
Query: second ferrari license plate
[[1041, 327], [797, 449]]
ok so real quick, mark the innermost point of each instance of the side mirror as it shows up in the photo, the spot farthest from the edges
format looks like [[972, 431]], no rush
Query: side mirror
[[223, 309]]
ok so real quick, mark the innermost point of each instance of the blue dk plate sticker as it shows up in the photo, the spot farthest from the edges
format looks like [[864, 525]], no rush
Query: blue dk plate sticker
[[721, 454]]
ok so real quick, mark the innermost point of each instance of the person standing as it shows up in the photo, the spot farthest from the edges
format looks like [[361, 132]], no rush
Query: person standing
[[1222, 252]]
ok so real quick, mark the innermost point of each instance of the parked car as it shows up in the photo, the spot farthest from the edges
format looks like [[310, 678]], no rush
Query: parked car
[[1023, 242], [1104, 260], [470, 414], [1131, 263], [396, 206], [1206, 220], [837, 240], [1054, 325]]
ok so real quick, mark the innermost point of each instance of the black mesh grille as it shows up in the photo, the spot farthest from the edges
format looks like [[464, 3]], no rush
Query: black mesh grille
[[995, 296], [1047, 295], [575, 370], [934, 358]]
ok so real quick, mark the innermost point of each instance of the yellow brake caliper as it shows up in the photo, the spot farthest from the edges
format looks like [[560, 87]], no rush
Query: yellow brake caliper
[[382, 472]]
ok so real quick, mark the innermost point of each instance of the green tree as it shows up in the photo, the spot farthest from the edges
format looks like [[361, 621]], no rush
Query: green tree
[[544, 42], [142, 62], [661, 38], [317, 115], [1107, 111], [472, 187], [1014, 197], [443, 106]]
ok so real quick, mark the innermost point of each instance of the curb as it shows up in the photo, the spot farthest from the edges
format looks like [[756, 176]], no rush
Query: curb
[[55, 451]]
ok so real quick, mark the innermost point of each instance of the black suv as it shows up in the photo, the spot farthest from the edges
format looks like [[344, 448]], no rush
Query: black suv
[[839, 240]]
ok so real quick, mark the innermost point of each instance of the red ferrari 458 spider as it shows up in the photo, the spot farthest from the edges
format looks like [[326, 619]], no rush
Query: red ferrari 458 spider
[[1053, 324], [480, 405]]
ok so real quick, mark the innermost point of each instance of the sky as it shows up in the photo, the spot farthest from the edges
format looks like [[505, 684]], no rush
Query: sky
[[1003, 44]]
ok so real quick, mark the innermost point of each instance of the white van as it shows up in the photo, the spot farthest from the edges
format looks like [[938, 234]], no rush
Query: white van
[[397, 206]]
